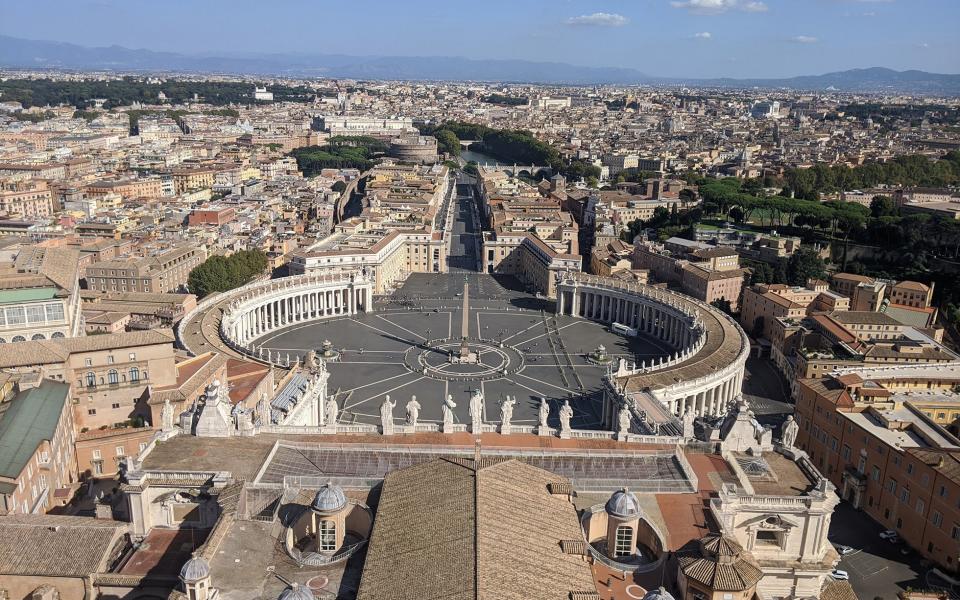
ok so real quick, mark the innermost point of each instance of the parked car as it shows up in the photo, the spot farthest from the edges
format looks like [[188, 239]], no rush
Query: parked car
[[890, 535], [839, 574], [843, 550]]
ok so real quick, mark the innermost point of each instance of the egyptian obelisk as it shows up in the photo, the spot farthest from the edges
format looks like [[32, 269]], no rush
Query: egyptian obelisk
[[465, 323]]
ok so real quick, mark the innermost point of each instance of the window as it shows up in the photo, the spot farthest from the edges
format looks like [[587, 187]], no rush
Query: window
[[134, 374], [327, 535], [910, 469], [133, 356], [115, 405], [36, 314], [88, 362], [937, 518], [91, 379], [120, 451], [904, 495], [876, 473], [624, 541], [955, 532], [920, 505], [143, 446], [846, 452], [768, 538], [113, 377], [96, 454], [892, 486], [110, 359], [943, 491], [91, 411]]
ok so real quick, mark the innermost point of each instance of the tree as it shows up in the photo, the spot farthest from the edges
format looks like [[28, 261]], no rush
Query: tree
[[223, 273], [339, 186], [723, 304], [882, 206], [736, 213], [805, 264], [447, 142]]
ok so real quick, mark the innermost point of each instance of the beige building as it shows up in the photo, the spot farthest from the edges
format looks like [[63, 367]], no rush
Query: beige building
[[110, 378], [40, 295], [166, 271], [32, 200], [706, 272], [36, 446]]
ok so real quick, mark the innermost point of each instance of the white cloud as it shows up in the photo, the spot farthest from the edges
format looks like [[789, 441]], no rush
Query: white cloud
[[703, 35], [804, 39], [599, 19], [713, 7]]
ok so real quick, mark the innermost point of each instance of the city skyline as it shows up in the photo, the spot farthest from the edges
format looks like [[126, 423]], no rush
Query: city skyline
[[680, 38]]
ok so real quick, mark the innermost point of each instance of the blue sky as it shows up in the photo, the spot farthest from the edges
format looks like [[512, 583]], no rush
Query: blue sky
[[677, 38]]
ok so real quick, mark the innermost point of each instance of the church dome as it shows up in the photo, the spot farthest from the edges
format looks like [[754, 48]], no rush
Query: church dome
[[658, 594], [623, 504], [296, 592], [195, 569], [329, 499]]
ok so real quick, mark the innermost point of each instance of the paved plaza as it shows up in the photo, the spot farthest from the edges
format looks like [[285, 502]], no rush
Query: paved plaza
[[543, 355]]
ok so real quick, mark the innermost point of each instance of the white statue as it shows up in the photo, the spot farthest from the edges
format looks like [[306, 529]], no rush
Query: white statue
[[566, 413], [544, 412], [788, 435], [310, 362], [624, 421], [413, 411], [448, 407], [332, 411], [506, 414], [688, 418], [386, 415], [476, 411], [166, 416]]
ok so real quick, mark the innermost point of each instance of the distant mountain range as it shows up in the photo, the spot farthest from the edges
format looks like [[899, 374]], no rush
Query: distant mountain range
[[33, 54]]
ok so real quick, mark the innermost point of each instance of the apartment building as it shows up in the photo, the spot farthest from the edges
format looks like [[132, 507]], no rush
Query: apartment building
[[26, 200], [763, 303], [36, 446], [40, 295], [706, 272], [110, 379], [148, 187], [166, 271], [870, 431]]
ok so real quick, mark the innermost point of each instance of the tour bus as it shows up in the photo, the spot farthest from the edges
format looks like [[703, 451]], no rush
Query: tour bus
[[623, 330]]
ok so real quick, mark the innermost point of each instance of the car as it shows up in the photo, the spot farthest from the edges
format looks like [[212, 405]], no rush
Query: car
[[843, 550], [839, 574], [889, 534]]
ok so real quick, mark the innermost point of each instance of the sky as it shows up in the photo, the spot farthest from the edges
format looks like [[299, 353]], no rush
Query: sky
[[667, 38]]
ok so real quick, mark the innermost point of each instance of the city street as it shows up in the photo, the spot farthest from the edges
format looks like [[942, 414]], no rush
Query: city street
[[876, 567]]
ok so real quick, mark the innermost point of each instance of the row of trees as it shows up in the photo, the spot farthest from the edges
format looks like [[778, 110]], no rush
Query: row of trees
[[907, 170], [510, 146], [222, 273], [125, 91], [504, 100], [340, 152]]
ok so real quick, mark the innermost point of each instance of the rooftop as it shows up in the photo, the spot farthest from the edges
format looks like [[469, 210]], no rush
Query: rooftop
[[30, 418]]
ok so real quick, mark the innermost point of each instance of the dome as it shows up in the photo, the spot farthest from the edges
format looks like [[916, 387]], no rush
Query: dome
[[623, 504], [296, 592], [658, 594], [721, 548], [195, 569], [329, 499]]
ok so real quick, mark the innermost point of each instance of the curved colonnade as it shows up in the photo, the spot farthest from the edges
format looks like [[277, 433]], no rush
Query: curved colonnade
[[244, 315], [702, 376]]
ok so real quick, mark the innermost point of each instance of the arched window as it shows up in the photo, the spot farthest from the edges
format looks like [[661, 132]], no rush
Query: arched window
[[134, 374], [327, 536], [57, 335], [19, 338], [37, 336], [91, 379], [3, 341], [624, 541], [113, 376]]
